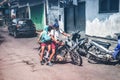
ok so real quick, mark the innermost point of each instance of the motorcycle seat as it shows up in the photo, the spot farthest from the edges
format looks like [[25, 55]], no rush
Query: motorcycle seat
[[104, 44]]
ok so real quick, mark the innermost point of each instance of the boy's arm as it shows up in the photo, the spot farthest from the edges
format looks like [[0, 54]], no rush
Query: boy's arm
[[52, 37], [39, 37], [65, 34]]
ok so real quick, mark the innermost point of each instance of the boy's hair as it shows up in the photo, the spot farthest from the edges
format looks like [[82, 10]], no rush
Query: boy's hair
[[56, 25], [49, 28]]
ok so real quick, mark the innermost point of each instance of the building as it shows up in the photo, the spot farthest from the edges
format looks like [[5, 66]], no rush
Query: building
[[33, 9], [4, 12], [102, 18], [70, 14], [99, 18]]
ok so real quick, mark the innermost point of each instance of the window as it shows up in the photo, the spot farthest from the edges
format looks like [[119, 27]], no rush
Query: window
[[108, 6]]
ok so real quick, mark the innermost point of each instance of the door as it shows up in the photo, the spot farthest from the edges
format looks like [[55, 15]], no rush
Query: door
[[75, 18], [37, 16], [69, 19], [80, 16]]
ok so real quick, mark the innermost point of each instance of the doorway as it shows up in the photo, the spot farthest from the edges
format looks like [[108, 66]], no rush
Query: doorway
[[75, 18]]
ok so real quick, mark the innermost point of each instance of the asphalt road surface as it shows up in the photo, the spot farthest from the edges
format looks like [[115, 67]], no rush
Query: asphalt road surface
[[19, 60]]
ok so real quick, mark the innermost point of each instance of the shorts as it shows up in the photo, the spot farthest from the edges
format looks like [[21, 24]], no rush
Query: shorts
[[43, 44], [53, 45], [46, 43]]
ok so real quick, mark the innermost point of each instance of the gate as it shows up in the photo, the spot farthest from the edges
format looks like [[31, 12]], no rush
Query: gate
[[75, 18], [37, 15]]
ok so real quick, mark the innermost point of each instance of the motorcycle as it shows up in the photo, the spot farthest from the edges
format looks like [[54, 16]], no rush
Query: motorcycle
[[98, 52], [83, 46], [66, 51]]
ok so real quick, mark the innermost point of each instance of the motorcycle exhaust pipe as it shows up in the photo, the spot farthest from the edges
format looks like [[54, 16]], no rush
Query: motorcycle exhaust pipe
[[97, 56], [92, 53]]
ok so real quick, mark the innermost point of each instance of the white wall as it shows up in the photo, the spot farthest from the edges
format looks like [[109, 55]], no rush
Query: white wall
[[101, 24], [53, 13]]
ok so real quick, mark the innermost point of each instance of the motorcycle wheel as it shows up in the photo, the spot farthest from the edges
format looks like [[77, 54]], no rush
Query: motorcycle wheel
[[91, 59], [76, 58]]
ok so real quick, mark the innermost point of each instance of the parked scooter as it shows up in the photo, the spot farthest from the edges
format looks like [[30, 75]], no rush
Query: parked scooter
[[83, 46], [104, 44], [99, 52]]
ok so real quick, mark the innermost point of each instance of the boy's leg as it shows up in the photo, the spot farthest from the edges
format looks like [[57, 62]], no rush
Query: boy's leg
[[52, 54], [48, 52], [42, 52]]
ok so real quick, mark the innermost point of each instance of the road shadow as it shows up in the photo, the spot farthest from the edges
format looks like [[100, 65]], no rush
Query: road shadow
[[2, 39], [64, 62], [26, 36], [106, 62], [60, 62]]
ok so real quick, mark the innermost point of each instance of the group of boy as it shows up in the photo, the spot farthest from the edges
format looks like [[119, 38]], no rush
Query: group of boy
[[49, 37]]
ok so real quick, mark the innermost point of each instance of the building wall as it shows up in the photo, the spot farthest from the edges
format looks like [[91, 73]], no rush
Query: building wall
[[101, 24], [55, 12]]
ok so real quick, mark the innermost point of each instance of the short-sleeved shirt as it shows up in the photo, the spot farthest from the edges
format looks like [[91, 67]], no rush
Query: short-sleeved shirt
[[45, 37], [14, 21], [56, 33]]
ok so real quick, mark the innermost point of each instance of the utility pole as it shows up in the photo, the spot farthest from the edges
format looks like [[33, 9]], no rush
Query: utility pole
[[1, 3], [29, 12], [46, 11]]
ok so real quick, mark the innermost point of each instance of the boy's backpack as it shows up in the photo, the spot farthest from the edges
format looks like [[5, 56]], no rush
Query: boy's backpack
[[45, 37]]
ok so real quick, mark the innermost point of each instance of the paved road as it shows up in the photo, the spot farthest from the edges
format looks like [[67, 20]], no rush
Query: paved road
[[19, 60]]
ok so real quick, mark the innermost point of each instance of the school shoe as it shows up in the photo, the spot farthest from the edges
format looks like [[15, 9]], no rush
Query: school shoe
[[42, 62], [49, 63]]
